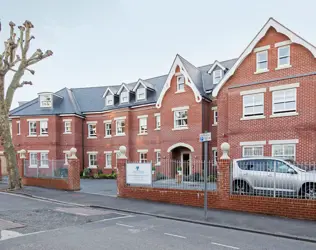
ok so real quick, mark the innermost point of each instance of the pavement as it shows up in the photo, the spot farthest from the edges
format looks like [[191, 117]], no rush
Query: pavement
[[98, 186], [42, 224], [268, 225]]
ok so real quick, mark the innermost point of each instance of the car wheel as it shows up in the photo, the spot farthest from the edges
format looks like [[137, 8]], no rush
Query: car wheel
[[309, 191], [241, 187]]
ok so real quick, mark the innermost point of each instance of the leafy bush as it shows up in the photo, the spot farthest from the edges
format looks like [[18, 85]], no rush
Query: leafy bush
[[100, 171], [86, 172], [107, 176], [96, 176], [212, 178]]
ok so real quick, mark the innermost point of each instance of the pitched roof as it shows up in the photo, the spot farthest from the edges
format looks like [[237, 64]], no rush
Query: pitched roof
[[91, 99]]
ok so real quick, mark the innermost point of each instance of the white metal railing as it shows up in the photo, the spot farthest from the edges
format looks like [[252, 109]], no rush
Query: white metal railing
[[54, 169], [181, 174], [273, 177]]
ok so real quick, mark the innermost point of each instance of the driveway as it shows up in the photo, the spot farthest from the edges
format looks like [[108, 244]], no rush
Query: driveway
[[100, 187]]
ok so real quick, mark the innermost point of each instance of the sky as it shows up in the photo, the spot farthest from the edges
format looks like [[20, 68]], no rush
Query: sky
[[107, 42]]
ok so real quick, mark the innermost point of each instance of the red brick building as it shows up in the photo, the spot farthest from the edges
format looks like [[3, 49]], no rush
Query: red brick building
[[265, 101]]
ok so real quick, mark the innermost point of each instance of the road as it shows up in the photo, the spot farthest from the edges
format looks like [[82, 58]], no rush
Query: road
[[49, 225]]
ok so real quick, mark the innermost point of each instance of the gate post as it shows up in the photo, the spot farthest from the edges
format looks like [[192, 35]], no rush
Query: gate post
[[223, 167], [73, 171], [121, 171]]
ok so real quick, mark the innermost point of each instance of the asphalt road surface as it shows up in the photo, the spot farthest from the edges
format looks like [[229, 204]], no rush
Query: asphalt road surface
[[47, 225]]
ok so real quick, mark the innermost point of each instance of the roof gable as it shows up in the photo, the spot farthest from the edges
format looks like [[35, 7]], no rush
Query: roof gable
[[186, 69], [215, 64], [123, 86], [145, 84], [106, 92], [280, 29]]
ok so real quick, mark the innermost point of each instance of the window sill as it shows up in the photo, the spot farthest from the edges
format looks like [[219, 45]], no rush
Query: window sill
[[67, 133], [108, 136], [283, 67], [32, 166], [32, 136], [92, 167], [181, 128], [214, 124], [158, 164], [253, 117], [143, 134], [18, 134], [284, 114], [42, 135], [261, 71], [43, 167], [157, 129], [66, 164], [108, 167], [120, 134], [179, 91], [92, 137]]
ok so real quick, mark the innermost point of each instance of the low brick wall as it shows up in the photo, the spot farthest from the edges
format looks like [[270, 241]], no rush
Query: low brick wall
[[60, 184], [221, 198]]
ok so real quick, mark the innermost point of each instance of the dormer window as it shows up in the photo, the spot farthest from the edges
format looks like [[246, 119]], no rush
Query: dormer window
[[217, 76], [109, 100], [141, 94], [124, 97], [180, 84], [46, 101]]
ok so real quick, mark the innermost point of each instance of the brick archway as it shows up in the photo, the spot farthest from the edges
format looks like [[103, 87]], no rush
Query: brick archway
[[180, 144]]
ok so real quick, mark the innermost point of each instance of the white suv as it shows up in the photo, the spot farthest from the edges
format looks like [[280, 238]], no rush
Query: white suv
[[272, 176]]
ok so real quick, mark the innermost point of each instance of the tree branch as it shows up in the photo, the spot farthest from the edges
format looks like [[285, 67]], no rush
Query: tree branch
[[38, 58]]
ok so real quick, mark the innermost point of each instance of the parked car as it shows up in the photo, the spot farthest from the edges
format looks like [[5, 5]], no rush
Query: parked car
[[272, 176]]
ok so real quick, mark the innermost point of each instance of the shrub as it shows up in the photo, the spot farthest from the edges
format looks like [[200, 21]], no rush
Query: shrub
[[161, 176], [86, 172], [96, 176], [212, 178], [100, 171]]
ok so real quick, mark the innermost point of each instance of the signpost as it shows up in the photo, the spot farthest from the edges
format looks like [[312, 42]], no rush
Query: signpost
[[139, 173], [205, 138]]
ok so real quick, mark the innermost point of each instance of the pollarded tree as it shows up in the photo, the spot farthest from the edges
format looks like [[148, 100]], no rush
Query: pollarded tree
[[15, 58]]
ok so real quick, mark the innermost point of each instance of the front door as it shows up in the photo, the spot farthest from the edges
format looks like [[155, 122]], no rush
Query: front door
[[186, 165]]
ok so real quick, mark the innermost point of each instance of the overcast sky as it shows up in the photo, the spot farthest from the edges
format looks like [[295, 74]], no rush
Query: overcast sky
[[107, 42]]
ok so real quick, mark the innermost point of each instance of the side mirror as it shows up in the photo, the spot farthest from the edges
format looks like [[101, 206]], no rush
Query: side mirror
[[291, 171]]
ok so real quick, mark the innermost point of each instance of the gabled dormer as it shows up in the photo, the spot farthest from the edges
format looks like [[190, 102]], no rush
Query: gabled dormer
[[141, 89], [217, 72], [109, 97], [124, 94], [48, 99]]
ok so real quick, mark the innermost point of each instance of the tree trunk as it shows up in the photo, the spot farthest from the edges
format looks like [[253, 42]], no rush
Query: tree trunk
[[9, 150]]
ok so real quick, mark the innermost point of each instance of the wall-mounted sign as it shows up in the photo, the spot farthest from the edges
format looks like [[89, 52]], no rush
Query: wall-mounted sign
[[138, 173]]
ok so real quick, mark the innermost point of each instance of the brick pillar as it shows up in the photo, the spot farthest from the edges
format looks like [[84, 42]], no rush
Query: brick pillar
[[21, 156], [73, 171], [121, 171], [0, 169], [223, 168]]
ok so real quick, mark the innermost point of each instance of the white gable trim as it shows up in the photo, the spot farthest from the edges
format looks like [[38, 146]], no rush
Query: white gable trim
[[106, 91], [140, 81], [121, 88], [280, 29], [188, 81], [216, 63]]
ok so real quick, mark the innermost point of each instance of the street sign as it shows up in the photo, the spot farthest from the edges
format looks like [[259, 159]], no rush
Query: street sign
[[205, 137]]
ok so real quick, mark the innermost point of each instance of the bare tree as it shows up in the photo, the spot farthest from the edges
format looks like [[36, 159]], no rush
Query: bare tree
[[14, 58]]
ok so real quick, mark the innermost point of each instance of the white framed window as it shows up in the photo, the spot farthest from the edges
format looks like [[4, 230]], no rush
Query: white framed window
[[32, 128], [142, 157], [44, 160], [252, 151], [120, 127], [92, 130], [33, 159], [180, 118], [108, 129], [217, 76], [215, 114], [109, 100], [143, 125], [180, 83], [284, 58], [66, 157], [67, 125], [253, 105], [158, 157], [284, 101], [18, 127], [43, 128], [158, 121], [124, 97], [284, 151], [108, 160], [140, 94], [262, 60], [214, 156], [92, 160], [46, 101]]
